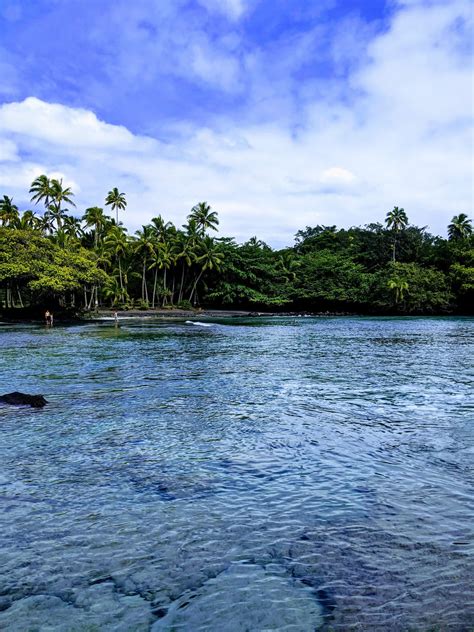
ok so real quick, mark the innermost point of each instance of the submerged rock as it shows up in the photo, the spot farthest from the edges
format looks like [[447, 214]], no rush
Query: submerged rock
[[99, 608], [245, 597], [22, 399]]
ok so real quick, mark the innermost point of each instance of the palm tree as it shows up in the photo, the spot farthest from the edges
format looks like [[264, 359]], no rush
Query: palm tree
[[255, 242], [94, 216], [29, 221], [57, 215], [128, 273], [9, 213], [399, 286], [52, 194], [59, 194], [116, 201], [72, 227], [45, 223], [60, 238], [116, 243], [460, 227], [162, 259], [144, 247], [186, 251], [161, 228], [113, 290], [397, 220], [41, 188], [204, 217], [210, 259], [287, 266]]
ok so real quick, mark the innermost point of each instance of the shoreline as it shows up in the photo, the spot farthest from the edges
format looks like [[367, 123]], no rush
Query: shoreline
[[181, 314], [165, 314], [205, 313]]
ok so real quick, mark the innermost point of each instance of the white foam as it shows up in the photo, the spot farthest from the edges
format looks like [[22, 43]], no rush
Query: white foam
[[198, 323]]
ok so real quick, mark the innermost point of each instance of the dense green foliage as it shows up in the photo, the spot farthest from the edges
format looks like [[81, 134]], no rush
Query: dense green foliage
[[57, 258]]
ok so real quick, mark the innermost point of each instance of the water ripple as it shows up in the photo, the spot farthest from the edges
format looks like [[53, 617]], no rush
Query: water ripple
[[286, 474]]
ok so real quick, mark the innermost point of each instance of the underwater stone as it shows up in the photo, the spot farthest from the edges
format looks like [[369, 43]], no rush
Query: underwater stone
[[245, 597]]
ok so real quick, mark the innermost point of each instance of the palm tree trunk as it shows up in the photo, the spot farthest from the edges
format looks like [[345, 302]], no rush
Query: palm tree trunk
[[181, 287], [121, 280], [198, 278], [19, 296], [145, 284], [164, 288], [154, 288], [92, 297]]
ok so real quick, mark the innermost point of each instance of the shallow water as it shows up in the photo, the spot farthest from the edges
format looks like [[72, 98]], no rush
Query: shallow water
[[262, 474]]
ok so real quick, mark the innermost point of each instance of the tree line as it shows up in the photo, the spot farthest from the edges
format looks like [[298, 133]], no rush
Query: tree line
[[88, 261]]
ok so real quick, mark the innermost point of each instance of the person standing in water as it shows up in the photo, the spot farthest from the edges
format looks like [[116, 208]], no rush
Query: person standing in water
[[48, 318]]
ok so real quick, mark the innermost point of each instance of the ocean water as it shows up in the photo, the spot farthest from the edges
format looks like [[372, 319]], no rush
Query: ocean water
[[293, 474]]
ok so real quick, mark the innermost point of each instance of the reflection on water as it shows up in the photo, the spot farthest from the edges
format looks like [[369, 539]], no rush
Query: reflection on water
[[261, 474]]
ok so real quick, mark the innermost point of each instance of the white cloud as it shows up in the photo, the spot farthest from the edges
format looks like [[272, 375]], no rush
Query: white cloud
[[8, 151], [166, 41], [215, 68], [337, 175], [68, 128], [405, 140], [233, 9]]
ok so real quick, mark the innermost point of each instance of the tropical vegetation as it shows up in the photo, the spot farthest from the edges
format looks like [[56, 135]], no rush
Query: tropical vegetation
[[55, 256]]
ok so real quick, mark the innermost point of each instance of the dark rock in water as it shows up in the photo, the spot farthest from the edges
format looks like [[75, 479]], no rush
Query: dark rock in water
[[159, 613], [22, 399], [101, 580]]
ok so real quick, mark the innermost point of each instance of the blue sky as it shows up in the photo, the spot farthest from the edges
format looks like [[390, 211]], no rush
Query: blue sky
[[279, 113], [145, 64]]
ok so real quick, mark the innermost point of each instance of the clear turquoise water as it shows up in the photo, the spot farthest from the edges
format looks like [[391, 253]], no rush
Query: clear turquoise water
[[284, 474]]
